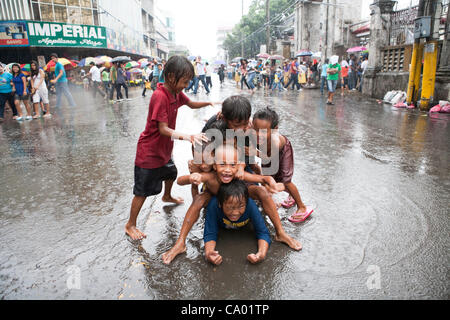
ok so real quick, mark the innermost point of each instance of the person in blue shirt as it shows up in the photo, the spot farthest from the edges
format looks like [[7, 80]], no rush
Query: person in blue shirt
[[20, 89], [60, 82], [324, 75], [233, 209], [7, 95]]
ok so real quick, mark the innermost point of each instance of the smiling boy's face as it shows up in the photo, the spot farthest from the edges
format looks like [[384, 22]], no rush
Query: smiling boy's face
[[226, 165], [234, 208]]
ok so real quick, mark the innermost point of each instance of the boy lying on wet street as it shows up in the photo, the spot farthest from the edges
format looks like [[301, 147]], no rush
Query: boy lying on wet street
[[233, 209]]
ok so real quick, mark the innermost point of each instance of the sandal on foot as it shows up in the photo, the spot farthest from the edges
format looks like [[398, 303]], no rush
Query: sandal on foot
[[288, 203], [296, 218]]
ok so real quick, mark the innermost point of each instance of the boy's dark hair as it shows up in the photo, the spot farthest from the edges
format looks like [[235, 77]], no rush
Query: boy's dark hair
[[327, 61], [234, 189], [53, 55], [268, 115], [180, 67], [237, 108]]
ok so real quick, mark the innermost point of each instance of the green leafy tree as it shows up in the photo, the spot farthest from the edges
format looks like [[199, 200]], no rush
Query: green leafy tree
[[252, 29]]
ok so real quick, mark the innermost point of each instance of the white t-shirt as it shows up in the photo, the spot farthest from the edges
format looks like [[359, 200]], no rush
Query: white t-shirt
[[200, 69], [364, 65], [209, 71], [95, 74]]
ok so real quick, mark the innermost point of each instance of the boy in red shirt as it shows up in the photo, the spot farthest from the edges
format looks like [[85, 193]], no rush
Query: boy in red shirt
[[154, 162]]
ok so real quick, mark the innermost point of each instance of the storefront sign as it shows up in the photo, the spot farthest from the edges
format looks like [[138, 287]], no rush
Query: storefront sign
[[52, 34], [13, 34]]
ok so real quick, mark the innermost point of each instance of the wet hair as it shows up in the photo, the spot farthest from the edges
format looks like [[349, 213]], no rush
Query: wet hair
[[34, 72], [268, 115], [179, 67], [327, 61], [237, 108], [15, 74], [235, 189]]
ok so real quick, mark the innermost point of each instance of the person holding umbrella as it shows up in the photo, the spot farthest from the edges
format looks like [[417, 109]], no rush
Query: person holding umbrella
[[60, 83]]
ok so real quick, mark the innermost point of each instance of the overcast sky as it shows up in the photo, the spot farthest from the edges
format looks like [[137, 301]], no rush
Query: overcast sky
[[196, 21]]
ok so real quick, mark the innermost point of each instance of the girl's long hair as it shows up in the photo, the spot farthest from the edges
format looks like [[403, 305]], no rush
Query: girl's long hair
[[12, 70], [34, 72]]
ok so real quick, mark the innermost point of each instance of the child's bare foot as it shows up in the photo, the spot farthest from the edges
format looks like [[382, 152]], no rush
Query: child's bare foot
[[177, 249], [254, 258], [291, 242], [134, 232], [171, 199]]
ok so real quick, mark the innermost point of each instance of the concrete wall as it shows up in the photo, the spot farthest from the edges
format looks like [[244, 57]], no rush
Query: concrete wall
[[387, 81], [320, 26]]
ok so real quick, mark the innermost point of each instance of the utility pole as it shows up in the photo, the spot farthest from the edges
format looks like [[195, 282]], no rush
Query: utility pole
[[267, 26], [426, 35], [242, 35], [416, 64]]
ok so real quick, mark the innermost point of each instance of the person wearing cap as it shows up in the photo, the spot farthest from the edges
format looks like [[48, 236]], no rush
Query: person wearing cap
[[333, 72], [60, 83]]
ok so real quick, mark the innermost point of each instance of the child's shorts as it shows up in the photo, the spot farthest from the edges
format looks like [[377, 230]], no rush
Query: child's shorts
[[148, 182]]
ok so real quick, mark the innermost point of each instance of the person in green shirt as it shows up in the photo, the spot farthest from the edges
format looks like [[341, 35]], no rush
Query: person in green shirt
[[106, 80], [113, 79], [334, 69]]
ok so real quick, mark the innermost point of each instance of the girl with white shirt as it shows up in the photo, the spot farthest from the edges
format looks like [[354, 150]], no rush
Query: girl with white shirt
[[39, 91]]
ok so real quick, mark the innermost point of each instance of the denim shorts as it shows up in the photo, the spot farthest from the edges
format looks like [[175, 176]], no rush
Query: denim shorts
[[332, 84]]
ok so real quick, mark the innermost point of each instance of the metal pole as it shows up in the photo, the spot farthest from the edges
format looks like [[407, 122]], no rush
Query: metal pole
[[267, 26], [242, 36]]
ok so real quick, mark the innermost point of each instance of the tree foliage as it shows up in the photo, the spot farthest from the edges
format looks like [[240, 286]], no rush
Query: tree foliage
[[252, 29]]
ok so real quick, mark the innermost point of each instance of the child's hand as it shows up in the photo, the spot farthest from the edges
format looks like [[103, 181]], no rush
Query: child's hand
[[199, 139], [271, 185], [195, 179], [240, 173], [214, 257], [255, 258]]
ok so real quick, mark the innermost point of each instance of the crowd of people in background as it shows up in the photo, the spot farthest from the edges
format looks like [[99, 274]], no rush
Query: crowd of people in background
[[32, 90], [295, 74]]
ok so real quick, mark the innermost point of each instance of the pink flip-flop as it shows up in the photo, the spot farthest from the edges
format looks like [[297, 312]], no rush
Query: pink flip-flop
[[309, 211], [288, 203]]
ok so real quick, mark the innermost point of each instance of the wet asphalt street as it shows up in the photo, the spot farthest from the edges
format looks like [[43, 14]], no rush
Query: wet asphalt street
[[379, 178]]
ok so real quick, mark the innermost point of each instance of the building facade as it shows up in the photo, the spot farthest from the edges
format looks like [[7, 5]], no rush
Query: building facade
[[221, 35], [76, 28], [325, 25]]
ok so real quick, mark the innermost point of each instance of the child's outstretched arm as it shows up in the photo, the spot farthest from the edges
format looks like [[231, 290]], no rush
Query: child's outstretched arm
[[198, 105], [268, 181], [263, 247], [195, 178], [164, 130], [210, 232], [262, 233], [211, 254]]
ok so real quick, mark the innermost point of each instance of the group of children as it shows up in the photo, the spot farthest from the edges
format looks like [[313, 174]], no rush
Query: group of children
[[231, 179]]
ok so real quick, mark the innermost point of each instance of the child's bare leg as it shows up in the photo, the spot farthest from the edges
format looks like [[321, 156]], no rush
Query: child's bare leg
[[167, 197], [194, 191], [293, 191], [130, 228], [191, 217], [261, 194]]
